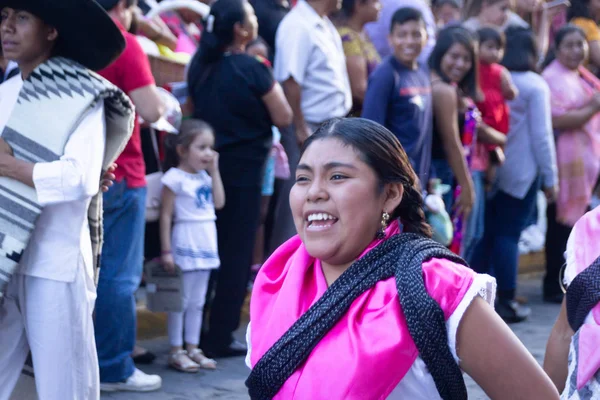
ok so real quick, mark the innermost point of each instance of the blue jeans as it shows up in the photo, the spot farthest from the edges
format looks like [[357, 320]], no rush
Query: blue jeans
[[120, 275], [498, 252], [476, 223], [442, 171]]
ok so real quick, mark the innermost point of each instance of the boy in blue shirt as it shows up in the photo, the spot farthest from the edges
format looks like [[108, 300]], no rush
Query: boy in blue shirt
[[399, 91]]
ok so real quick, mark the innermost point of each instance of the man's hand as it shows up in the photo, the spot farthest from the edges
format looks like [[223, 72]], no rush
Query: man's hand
[[5, 148], [302, 133], [108, 178]]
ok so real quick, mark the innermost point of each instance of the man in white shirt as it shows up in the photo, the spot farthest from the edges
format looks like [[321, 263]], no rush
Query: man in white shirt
[[311, 66], [48, 304]]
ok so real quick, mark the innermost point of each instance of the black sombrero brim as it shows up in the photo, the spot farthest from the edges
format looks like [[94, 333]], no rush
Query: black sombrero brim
[[86, 32]]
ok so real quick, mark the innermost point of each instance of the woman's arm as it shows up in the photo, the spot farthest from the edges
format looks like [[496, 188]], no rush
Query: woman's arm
[[357, 72], [594, 46], [557, 350], [489, 135], [542, 27], [575, 119], [495, 358], [509, 90], [445, 108], [278, 107]]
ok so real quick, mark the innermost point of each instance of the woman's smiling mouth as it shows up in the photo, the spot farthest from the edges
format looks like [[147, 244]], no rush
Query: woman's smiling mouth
[[320, 221]]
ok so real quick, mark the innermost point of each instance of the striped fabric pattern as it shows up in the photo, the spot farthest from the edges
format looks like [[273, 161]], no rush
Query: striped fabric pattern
[[51, 104]]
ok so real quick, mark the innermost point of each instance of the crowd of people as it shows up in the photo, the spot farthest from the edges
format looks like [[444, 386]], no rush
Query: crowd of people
[[312, 132]]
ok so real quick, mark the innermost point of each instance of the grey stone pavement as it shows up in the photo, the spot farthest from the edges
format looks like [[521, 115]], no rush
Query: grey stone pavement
[[227, 383]]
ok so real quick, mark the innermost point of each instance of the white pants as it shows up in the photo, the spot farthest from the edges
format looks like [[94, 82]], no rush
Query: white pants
[[54, 320], [195, 284]]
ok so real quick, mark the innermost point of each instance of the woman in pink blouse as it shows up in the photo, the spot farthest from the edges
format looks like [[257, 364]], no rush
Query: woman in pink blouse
[[575, 101], [361, 305]]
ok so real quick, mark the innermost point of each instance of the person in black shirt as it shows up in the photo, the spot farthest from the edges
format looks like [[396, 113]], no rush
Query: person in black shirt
[[238, 96]]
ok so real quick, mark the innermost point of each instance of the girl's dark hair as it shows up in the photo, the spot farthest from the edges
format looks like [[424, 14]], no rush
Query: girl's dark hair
[[579, 9], [558, 38], [382, 151], [447, 38], [224, 14], [521, 53], [492, 34], [189, 130], [404, 15]]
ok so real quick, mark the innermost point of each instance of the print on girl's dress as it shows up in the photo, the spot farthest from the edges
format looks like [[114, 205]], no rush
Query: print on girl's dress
[[204, 197]]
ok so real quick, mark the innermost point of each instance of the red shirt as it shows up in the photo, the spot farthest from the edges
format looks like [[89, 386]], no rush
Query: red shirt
[[129, 72], [494, 110]]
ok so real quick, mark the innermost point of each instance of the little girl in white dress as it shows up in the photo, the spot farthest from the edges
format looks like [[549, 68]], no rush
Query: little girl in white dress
[[192, 190]]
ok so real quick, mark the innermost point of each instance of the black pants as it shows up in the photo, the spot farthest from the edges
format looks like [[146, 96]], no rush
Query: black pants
[[237, 223], [557, 236]]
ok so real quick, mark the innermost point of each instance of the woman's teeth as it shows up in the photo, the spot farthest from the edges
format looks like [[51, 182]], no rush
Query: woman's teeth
[[320, 217]]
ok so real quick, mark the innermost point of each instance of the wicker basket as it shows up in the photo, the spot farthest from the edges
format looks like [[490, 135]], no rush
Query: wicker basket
[[166, 71]]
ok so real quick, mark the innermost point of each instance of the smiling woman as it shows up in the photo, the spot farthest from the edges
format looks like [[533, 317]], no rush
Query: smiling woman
[[327, 323]]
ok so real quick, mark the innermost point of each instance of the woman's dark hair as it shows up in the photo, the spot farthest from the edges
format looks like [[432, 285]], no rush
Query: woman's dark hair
[[560, 35], [189, 130], [521, 53], [447, 38], [579, 9], [492, 34], [404, 15], [382, 151], [218, 33], [347, 9]]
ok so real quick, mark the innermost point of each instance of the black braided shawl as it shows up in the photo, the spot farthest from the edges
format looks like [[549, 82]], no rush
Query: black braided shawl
[[583, 294], [401, 256]]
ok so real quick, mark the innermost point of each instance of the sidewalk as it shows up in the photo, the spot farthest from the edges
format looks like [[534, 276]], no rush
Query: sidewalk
[[228, 381]]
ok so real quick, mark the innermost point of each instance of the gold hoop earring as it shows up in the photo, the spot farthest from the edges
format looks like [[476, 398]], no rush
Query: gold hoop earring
[[385, 217]]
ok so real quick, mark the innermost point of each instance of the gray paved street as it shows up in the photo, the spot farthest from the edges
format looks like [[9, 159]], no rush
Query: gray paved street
[[228, 381]]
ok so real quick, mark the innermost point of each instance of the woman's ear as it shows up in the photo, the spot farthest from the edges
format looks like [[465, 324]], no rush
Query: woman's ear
[[52, 34], [393, 196]]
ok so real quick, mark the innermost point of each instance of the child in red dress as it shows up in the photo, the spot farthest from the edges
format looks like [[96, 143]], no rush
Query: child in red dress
[[497, 86]]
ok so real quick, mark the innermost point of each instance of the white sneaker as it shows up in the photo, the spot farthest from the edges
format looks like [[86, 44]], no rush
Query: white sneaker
[[138, 382]]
